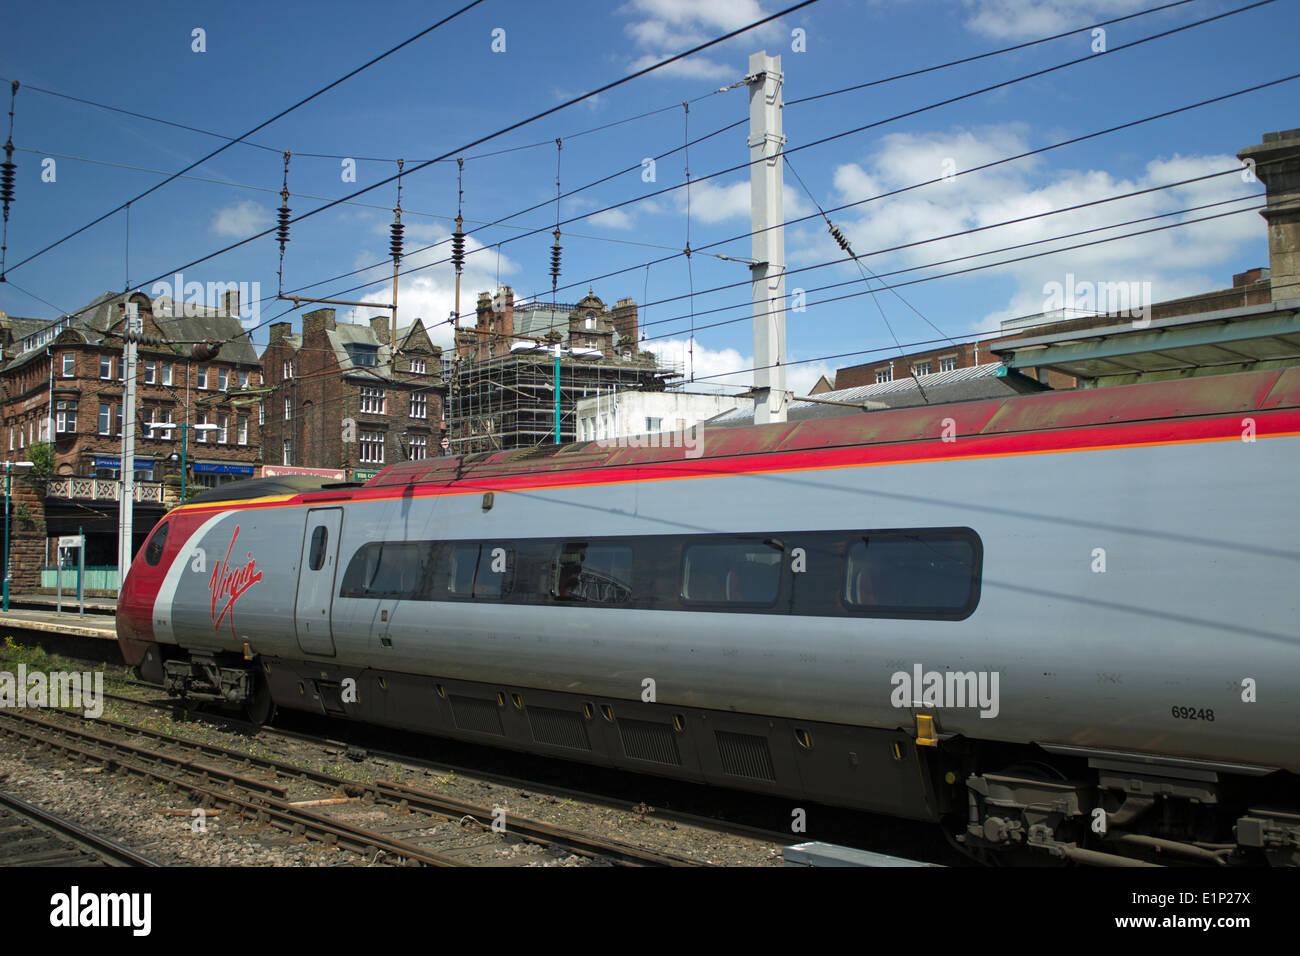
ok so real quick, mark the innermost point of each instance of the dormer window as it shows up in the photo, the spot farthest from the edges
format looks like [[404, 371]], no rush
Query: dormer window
[[591, 320], [363, 356]]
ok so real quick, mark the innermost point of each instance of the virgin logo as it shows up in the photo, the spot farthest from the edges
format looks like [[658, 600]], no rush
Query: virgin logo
[[227, 585]]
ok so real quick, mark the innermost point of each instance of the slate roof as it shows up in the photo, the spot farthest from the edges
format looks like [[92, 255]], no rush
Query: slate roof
[[93, 322]]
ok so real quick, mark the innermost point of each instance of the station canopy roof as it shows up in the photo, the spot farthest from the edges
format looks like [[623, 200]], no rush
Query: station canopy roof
[[1209, 343]]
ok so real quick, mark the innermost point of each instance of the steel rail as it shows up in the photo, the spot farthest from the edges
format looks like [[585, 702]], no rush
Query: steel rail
[[67, 832]]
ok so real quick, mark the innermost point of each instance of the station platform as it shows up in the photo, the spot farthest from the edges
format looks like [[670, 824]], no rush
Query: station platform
[[94, 605], [99, 626]]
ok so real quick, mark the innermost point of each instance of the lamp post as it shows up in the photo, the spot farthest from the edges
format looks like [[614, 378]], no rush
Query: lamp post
[[185, 428], [9, 466]]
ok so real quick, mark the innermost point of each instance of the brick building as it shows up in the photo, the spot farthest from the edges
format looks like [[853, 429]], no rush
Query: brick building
[[341, 397], [62, 382]]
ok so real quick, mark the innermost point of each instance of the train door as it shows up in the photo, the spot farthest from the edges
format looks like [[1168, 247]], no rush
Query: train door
[[316, 580]]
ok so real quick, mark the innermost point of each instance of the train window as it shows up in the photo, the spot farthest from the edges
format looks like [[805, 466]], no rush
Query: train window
[[461, 561], [739, 573], [921, 573], [593, 574], [389, 569], [319, 538], [496, 571], [153, 553]]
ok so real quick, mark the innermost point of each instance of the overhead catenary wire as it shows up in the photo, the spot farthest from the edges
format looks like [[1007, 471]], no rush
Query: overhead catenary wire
[[501, 132], [973, 255], [666, 62], [362, 205], [981, 267], [498, 246], [285, 112], [844, 244], [913, 186], [1026, 154]]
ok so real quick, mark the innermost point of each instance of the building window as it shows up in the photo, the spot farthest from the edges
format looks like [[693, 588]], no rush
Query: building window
[[69, 365], [884, 375], [372, 447], [261, 413], [223, 426], [288, 409], [948, 364], [243, 430], [419, 405], [167, 373], [372, 400], [203, 420], [287, 370], [364, 356], [288, 451], [654, 424], [11, 438], [243, 381], [922, 368], [150, 372], [104, 421], [417, 366], [419, 448], [203, 379], [106, 367], [223, 379]]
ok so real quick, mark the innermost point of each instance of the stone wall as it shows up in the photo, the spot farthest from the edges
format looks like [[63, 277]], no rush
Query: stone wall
[[26, 535]]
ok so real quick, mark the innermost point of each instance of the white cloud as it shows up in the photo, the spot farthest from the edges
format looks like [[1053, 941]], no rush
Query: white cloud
[[1029, 19], [663, 28], [240, 220], [727, 370], [1176, 262], [712, 203], [612, 219]]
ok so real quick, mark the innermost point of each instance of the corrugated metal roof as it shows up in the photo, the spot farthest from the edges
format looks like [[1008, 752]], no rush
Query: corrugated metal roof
[[958, 385]]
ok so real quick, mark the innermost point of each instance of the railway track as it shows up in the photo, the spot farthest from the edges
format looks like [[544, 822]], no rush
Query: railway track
[[259, 790], [679, 817], [31, 836]]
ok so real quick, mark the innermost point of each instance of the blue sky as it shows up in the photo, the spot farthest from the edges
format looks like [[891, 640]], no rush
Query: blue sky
[[451, 88]]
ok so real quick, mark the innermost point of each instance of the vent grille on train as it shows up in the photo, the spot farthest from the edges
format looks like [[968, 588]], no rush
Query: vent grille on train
[[560, 728], [473, 713], [745, 755], [643, 740]]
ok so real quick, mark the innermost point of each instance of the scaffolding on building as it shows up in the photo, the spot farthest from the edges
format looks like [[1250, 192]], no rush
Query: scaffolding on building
[[508, 401]]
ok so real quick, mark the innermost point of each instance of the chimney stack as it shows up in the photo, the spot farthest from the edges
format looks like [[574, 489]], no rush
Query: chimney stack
[[1276, 162], [379, 325], [318, 322]]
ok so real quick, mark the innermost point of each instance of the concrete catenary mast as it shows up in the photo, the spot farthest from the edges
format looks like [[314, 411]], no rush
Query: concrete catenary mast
[[766, 180]]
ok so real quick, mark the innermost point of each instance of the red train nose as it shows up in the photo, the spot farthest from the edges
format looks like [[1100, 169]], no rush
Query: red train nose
[[139, 592], [134, 620]]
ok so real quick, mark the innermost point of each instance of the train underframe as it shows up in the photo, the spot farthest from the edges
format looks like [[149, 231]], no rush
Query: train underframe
[[999, 803]]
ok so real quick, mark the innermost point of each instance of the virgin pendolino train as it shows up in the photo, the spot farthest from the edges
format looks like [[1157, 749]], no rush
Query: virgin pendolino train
[[1061, 625]]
